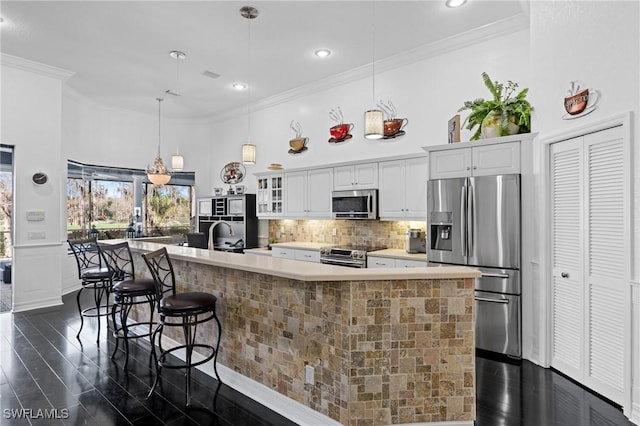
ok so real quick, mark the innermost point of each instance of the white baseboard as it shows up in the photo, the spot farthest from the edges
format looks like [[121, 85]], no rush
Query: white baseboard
[[37, 304], [283, 405]]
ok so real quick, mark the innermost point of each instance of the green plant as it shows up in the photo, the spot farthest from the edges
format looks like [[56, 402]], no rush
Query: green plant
[[502, 109]]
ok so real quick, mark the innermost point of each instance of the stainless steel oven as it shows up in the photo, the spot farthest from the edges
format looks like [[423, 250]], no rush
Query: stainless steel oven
[[351, 256], [357, 204]]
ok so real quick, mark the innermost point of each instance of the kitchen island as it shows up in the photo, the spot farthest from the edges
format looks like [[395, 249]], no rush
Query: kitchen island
[[360, 346]]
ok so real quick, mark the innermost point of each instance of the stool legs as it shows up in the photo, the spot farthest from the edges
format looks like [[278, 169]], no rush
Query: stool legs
[[99, 291], [123, 305]]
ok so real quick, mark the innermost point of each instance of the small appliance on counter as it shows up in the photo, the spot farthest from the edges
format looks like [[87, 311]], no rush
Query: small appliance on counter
[[416, 241]]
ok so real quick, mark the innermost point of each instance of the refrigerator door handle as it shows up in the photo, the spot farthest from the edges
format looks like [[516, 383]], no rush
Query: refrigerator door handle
[[463, 219], [484, 299], [495, 275], [470, 213]]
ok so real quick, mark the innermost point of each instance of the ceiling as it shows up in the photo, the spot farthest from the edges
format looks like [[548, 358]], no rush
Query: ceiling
[[119, 50]]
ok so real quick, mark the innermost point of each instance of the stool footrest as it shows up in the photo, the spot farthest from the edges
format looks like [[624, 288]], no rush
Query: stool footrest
[[118, 333], [97, 311], [177, 363]]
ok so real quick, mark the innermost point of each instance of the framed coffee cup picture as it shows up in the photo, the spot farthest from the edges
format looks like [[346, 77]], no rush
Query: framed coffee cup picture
[[454, 129]]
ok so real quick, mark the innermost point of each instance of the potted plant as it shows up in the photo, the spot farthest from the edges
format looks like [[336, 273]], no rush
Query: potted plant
[[503, 115]]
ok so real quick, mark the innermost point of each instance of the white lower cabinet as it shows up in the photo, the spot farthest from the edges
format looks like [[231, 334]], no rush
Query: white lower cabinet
[[284, 253], [387, 262], [297, 254]]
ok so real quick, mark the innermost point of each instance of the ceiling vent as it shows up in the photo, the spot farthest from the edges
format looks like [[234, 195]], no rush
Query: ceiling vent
[[210, 74]]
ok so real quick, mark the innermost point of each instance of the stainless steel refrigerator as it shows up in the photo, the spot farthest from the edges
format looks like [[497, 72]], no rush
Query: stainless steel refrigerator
[[475, 221]]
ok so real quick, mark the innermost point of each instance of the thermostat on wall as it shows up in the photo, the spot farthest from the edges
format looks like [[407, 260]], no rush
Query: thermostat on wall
[[39, 178], [35, 215]]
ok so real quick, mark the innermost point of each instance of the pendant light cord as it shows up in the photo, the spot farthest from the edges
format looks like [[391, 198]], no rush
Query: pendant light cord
[[249, 80], [373, 51], [159, 101]]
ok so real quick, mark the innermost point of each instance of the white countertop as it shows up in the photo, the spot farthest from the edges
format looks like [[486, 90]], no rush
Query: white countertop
[[263, 251], [302, 271], [398, 254]]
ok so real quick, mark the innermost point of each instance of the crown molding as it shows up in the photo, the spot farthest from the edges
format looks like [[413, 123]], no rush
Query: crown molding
[[496, 29], [35, 67]]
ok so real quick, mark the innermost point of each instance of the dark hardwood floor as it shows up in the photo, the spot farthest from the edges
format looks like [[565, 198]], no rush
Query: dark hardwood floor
[[44, 367]]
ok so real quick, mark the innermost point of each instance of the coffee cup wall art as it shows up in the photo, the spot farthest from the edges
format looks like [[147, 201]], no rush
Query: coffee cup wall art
[[393, 125], [341, 131], [298, 144], [579, 101]]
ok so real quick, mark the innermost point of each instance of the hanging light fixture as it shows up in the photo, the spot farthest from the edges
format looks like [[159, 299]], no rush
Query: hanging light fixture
[[177, 161], [373, 119], [249, 149], [158, 174]]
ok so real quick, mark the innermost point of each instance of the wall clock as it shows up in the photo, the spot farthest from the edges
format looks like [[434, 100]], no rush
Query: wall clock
[[40, 178]]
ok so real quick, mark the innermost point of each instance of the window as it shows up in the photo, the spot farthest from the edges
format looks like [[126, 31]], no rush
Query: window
[[107, 198]]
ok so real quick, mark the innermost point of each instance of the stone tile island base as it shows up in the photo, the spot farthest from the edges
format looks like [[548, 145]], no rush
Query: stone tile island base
[[382, 351]]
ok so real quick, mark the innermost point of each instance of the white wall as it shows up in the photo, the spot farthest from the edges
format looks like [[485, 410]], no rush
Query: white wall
[[93, 134], [428, 93], [597, 43], [31, 122]]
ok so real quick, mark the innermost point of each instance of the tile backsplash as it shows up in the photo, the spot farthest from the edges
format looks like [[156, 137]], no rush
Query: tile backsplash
[[391, 234]]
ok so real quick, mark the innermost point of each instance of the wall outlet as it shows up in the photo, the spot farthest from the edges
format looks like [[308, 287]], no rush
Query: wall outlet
[[334, 232], [282, 229], [36, 235], [309, 377]]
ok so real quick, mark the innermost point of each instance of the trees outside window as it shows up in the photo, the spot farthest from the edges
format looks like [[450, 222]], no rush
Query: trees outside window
[[168, 209]]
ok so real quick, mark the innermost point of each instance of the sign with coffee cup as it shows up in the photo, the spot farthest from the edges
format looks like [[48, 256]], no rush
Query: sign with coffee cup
[[339, 132], [580, 101], [393, 126]]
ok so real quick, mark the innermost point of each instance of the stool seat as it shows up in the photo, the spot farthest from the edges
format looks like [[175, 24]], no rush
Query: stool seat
[[133, 287], [97, 274], [187, 303]]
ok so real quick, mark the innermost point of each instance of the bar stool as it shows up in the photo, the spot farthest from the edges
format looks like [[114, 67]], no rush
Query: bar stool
[[180, 310], [94, 275], [128, 291]]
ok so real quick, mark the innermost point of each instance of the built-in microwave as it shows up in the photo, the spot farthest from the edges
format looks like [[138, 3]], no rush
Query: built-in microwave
[[357, 204]]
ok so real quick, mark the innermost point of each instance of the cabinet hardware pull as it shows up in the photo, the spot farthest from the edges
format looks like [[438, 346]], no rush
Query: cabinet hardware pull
[[564, 275]]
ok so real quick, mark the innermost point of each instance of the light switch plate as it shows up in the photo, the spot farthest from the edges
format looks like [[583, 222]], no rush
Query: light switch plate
[[35, 215]]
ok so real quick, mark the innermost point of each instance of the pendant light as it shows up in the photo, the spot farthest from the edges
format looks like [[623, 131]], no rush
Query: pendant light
[[177, 161], [373, 119], [158, 174], [249, 149]]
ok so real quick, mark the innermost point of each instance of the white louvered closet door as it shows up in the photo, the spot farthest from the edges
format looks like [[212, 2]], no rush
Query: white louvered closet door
[[607, 296], [567, 242], [590, 194]]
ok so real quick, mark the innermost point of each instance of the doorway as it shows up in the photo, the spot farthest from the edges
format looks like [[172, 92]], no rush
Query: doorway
[[6, 228]]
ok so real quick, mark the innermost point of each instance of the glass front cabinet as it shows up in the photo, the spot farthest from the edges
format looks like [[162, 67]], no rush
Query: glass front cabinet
[[269, 199]]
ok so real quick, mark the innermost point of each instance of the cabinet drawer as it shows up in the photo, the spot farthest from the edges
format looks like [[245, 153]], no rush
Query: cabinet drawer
[[402, 263], [307, 255], [380, 262], [284, 253]]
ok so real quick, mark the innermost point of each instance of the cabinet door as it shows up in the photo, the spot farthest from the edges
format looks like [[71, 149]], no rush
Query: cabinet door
[[415, 189], [498, 159], [406, 263], [343, 178], [308, 255], [392, 189], [276, 196], [450, 163], [295, 186], [366, 176], [283, 253], [319, 187], [380, 262]]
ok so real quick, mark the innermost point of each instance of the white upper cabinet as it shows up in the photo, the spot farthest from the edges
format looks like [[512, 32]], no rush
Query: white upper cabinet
[[269, 195], [484, 160], [403, 189], [308, 193], [357, 176]]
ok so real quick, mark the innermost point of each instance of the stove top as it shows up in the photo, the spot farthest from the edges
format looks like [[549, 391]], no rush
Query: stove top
[[350, 255]]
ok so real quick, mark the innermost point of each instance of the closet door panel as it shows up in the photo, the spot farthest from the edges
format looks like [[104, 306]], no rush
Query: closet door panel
[[567, 230], [606, 268]]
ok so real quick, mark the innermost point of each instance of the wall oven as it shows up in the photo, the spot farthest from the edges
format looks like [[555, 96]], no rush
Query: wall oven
[[357, 204]]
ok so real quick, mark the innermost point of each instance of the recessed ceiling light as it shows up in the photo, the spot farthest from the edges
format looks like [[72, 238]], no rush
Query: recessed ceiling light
[[239, 86], [455, 3], [322, 53]]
